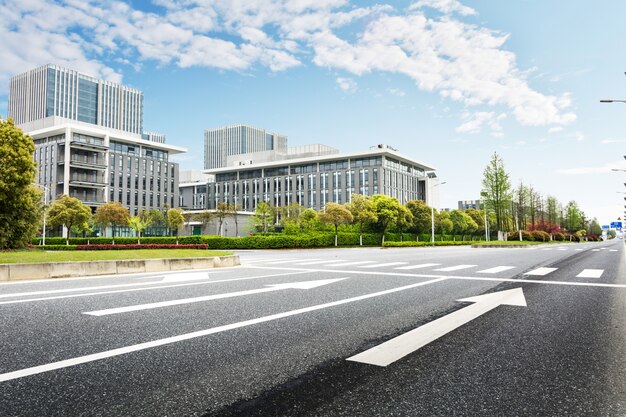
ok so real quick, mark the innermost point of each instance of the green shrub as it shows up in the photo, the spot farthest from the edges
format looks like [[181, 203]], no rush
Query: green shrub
[[540, 236], [558, 236], [421, 244]]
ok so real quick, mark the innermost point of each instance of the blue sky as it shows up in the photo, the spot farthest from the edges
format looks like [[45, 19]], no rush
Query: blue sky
[[446, 82]]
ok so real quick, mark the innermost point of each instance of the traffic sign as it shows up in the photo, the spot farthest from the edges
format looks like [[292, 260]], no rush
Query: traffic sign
[[616, 225], [605, 227]]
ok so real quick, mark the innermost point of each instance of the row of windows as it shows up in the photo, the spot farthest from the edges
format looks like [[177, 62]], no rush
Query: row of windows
[[129, 149]]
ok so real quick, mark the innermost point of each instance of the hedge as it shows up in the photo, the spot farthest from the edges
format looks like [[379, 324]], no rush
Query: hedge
[[142, 246], [420, 244]]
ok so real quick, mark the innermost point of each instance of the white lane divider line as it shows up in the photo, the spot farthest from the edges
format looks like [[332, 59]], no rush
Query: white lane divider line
[[578, 250], [383, 265], [303, 285], [595, 250], [541, 271], [8, 376], [612, 250], [590, 273], [409, 267], [318, 262], [496, 269], [290, 261], [455, 268], [351, 263], [547, 249]]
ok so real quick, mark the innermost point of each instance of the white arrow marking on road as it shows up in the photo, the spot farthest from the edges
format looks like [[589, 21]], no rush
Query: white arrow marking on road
[[397, 348], [304, 285]]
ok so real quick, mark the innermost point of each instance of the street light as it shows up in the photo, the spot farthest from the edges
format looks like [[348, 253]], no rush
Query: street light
[[432, 218], [45, 204], [612, 101]]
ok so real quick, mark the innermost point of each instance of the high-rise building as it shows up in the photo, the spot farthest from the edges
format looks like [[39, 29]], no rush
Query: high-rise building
[[238, 139], [53, 91], [89, 143]]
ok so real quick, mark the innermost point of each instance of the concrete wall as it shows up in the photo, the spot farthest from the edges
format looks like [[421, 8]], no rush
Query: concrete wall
[[16, 272]]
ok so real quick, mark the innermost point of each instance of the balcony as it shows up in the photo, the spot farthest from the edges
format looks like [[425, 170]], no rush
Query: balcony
[[89, 145], [85, 163], [87, 181]]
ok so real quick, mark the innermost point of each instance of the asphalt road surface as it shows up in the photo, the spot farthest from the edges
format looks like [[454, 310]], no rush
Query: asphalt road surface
[[450, 331]]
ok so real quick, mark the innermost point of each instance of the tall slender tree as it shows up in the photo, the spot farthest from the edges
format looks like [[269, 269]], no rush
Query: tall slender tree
[[497, 190]]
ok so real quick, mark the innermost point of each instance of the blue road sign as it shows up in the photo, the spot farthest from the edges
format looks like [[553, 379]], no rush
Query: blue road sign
[[605, 227], [616, 225]]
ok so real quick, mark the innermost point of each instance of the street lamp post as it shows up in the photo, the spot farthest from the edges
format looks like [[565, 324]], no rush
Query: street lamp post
[[45, 204], [432, 218]]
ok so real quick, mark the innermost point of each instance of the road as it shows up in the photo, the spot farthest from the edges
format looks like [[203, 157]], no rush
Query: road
[[328, 332]]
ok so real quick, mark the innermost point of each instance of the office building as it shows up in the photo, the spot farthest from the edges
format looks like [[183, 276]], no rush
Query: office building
[[469, 204], [53, 91], [238, 139], [89, 143], [314, 181]]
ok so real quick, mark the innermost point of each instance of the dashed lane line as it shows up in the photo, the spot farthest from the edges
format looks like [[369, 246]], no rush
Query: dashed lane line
[[455, 268], [383, 265], [590, 273], [540, 271], [409, 267], [351, 263], [496, 269]]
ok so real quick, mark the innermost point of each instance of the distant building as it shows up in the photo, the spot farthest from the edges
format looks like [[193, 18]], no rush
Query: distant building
[[470, 204], [236, 140], [88, 140], [314, 181]]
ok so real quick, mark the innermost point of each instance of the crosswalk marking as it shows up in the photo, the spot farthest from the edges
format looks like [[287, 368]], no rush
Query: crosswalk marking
[[351, 263], [326, 261], [416, 266], [595, 250], [496, 269], [590, 273], [383, 265], [541, 271], [455, 268], [612, 250], [577, 249]]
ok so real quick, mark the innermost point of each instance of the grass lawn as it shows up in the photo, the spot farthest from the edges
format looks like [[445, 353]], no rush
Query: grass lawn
[[32, 256]]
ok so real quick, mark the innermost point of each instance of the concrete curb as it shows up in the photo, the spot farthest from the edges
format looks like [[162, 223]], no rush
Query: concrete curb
[[17, 272]]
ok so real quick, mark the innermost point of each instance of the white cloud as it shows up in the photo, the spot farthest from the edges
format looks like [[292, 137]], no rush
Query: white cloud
[[347, 85], [555, 129], [611, 141], [591, 170], [462, 62], [444, 6], [474, 123], [396, 92]]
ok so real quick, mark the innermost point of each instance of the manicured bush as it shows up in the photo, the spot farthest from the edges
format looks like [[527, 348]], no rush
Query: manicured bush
[[559, 237], [540, 236], [421, 244]]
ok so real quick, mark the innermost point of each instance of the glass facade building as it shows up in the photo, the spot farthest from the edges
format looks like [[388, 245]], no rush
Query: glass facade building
[[238, 139], [53, 91]]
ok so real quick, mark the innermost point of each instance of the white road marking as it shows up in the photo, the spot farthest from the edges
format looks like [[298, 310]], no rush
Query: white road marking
[[612, 250], [383, 265], [562, 249], [319, 262], [455, 268], [8, 376], [398, 347], [590, 273], [496, 270], [304, 285], [578, 250], [158, 287], [352, 263], [408, 267], [465, 278], [547, 249], [602, 248], [186, 276], [541, 271], [290, 261]]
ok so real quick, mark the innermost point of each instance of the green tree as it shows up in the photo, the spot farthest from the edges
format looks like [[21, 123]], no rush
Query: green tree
[[68, 212], [497, 190], [263, 216], [444, 224], [20, 201], [204, 217], [479, 218], [421, 216], [594, 227], [111, 214], [176, 220], [222, 210], [404, 220], [572, 217], [363, 212], [308, 218], [335, 214], [386, 209], [140, 223], [462, 223]]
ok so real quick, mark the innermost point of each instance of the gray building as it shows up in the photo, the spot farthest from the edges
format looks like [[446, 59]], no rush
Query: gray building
[[470, 204], [88, 141], [238, 139], [313, 181], [53, 91]]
